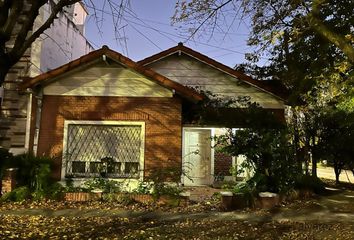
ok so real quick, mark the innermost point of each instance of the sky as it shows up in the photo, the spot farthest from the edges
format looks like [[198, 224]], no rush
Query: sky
[[146, 30]]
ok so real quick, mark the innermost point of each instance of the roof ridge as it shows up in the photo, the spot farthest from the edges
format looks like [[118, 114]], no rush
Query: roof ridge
[[218, 65], [150, 73]]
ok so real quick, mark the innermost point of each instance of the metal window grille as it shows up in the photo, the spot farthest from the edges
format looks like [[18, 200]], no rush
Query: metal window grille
[[103, 150]]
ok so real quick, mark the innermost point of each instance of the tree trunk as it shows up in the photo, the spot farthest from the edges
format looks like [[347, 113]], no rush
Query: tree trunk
[[314, 158], [3, 72], [4, 63], [337, 170], [314, 165], [298, 156]]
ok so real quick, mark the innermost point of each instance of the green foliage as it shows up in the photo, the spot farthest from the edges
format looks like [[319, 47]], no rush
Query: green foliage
[[160, 176], [336, 138], [34, 177], [33, 171], [55, 191], [107, 186], [244, 188], [165, 189], [268, 152], [18, 194], [124, 199], [310, 183], [247, 189], [143, 188], [38, 195]]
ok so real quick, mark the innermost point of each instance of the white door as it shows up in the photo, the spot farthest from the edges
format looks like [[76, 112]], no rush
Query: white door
[[196, 159]]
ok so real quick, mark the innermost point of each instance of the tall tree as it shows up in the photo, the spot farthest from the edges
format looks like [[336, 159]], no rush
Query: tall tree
[[275, 20], [17, 18], [310, 46]]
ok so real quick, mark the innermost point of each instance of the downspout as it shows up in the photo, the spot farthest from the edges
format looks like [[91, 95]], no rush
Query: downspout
[[39, 98], [28, 119]]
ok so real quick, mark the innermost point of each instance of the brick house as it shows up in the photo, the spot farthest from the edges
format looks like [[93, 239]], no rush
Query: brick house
[[106, 114]]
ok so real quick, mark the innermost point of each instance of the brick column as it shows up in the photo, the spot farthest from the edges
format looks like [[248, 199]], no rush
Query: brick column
[[9, 180]]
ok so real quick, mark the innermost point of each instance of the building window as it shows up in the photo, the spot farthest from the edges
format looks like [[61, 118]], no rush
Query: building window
[[103, 150]]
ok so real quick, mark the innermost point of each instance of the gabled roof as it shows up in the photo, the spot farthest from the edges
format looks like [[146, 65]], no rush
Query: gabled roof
[[105, 51], [180, 48]]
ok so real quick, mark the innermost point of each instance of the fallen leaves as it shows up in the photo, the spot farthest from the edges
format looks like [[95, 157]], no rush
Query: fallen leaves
[[39, 227]]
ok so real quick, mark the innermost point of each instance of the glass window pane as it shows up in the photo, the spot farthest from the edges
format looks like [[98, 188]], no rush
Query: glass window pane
[[104, 147]]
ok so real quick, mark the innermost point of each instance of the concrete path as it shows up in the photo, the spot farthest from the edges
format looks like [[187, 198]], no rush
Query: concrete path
[[336, 207]]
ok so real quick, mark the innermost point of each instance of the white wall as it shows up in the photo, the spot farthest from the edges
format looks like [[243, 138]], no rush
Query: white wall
[[60, 44], [194, 73], [77, 13]]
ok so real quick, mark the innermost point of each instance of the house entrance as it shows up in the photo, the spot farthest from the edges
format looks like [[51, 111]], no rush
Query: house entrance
[[196, 159]]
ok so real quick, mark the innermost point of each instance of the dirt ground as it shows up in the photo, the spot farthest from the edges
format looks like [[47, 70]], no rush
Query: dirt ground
[[38, 227], [322, 217]]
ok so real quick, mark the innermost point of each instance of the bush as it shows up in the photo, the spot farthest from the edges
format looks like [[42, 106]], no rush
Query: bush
[[124, 199], [18, 194], [164, 189], [38, 195], [310, 183], [33, 171], [55, 191], [107, 186], [33, 174], [143, 188]]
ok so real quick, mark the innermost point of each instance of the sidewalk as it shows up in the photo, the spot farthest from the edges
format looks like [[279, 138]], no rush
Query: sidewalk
[[337, 207]]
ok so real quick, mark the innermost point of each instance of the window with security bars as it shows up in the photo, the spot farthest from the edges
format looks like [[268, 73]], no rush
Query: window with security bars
[[111, 151]]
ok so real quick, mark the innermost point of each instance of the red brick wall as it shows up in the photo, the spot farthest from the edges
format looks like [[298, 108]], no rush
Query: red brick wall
[[162, 117], [222, 164]]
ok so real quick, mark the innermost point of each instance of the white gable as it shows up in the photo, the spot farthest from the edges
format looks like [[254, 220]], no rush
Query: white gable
[[102, 79], [192, 72]]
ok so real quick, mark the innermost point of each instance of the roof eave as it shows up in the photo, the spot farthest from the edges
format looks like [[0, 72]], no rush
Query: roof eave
[[156, 77]]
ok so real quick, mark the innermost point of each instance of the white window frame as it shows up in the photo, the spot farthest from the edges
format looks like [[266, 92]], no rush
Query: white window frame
[[108, 122]]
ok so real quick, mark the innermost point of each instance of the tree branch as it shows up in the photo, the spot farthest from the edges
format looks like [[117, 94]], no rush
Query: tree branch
[[26, 27], [4, 11], [16, 9], [317, 24], [214, 11], [22, 42]]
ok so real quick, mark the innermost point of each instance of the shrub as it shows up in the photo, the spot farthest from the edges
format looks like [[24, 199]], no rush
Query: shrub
[[107, 186], [18, 194], [55, 191], [33, 174], [33, 171], [310, 183], [164, 189], [124, 199], [38, 195], [143, 188]]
